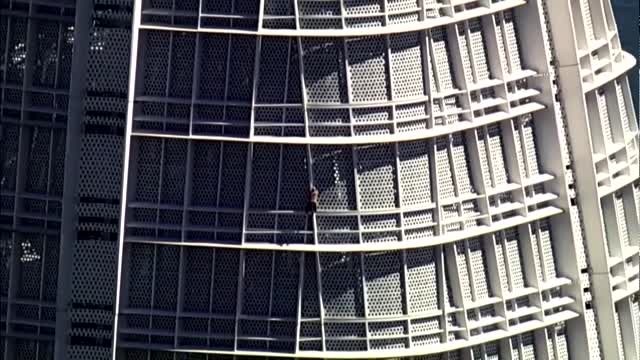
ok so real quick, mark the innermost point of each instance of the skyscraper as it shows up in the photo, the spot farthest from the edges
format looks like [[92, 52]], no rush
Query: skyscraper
[[476, 163], [63, 105]]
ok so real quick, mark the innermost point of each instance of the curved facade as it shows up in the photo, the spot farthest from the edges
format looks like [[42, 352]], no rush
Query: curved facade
[[477, 164], [433, 131]]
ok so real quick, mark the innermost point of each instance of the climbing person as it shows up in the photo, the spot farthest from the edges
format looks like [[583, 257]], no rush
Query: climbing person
[[312, 204]]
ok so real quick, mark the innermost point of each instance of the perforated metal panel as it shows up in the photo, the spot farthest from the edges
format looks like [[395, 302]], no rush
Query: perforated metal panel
[[528, 134], [619, 334], [433, 150], [35, 66], [512, 42], [593, 334], [604, 115], [585, 7], [478, 50], [441, 62], [496, 149]]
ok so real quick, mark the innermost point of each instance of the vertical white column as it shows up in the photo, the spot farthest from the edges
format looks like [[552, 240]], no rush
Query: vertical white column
[[135, 34], [565, 27]]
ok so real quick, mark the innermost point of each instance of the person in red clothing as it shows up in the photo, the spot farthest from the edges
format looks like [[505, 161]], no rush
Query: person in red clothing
[[312, 204]]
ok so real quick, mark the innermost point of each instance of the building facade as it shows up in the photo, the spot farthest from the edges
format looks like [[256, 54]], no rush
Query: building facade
[[476, 161], [64, 71]]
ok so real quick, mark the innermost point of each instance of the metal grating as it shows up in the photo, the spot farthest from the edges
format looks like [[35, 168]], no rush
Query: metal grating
[[424, 227]]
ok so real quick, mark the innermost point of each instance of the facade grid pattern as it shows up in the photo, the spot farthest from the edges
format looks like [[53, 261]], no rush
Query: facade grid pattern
[[477, 164], [36, 44], [430, 133]]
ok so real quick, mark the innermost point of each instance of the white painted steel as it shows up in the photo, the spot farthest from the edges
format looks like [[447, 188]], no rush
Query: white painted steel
[[437, 135], [477, 162]]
